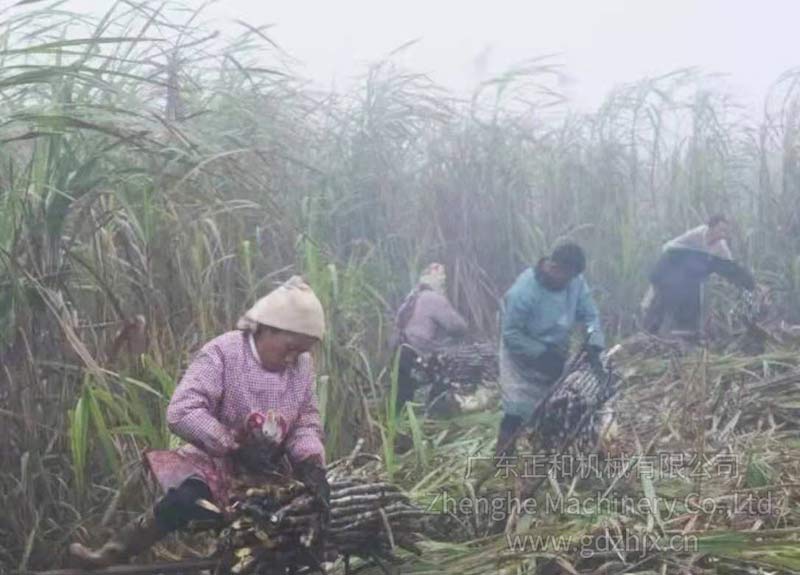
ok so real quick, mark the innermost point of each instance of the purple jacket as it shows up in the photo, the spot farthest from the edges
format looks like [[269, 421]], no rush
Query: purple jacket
[[432, 320], [224, 384]]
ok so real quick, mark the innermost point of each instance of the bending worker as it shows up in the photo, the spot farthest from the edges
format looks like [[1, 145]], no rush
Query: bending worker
[[685, 264], [262, 369], [540, 310], [426, 322]]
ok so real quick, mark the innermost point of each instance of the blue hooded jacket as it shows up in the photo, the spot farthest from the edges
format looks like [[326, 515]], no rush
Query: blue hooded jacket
[[535, 317]]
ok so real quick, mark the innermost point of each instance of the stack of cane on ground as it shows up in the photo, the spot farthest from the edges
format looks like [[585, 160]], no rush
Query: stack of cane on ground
[[463, 378], [465, 364], [278, 525]]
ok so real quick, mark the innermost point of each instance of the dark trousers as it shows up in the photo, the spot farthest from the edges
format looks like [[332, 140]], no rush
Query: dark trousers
[[681, 303], [406, 384], [178, 507], [509, 426]]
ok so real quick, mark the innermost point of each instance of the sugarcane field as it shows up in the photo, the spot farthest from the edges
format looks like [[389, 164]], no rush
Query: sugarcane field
[[391, 288]]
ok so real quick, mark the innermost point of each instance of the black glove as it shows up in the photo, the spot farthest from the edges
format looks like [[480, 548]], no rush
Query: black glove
[[734, 273], [311, 473], [746, 280], [257, 455], [593, 355], [550, 362]]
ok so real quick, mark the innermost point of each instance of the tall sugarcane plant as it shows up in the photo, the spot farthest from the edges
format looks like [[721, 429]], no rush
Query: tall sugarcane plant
[[155, 176]]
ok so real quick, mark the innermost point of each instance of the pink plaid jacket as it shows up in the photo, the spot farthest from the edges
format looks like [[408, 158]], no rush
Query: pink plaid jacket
[[225, 383]]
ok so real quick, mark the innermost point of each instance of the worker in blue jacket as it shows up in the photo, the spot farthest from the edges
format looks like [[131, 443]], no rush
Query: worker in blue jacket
[[540, 311]]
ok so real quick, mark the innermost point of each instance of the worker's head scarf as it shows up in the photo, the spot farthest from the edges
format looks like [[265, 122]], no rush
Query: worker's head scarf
[[434, 277], [291, 307]]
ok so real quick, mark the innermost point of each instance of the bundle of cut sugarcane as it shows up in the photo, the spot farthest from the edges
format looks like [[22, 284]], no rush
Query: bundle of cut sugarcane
[[461, 366], [278, 525], [576, 408]]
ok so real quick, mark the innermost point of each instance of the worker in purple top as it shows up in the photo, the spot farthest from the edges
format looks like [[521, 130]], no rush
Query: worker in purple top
[[425, 322], [262, 372]]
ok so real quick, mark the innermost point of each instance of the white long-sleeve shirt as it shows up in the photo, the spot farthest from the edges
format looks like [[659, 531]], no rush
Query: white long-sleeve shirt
[[697, 239]]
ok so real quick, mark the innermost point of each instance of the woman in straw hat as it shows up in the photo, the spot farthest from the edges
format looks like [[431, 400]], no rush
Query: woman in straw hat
[[261, 372]]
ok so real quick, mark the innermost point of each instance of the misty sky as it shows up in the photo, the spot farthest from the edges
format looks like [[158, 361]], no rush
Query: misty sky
[[600, 42]]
